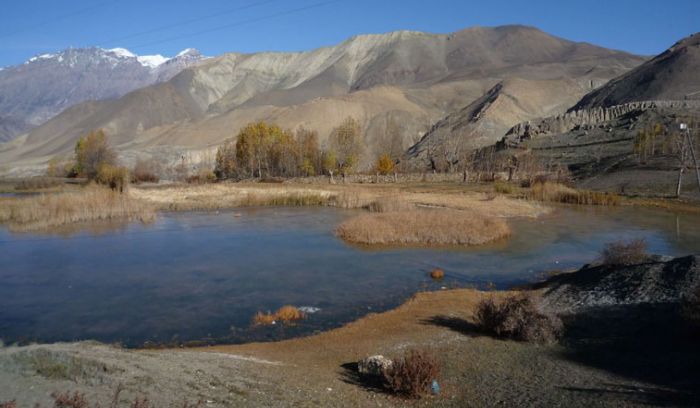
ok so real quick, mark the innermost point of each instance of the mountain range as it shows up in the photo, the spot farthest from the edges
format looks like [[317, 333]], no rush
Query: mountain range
[[475, 83], [45, 85]]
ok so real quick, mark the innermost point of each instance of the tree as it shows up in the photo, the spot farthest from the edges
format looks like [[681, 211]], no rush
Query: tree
[[392, 142], [385, 164], [311, 158], [225, 166], [92, 151], [346, 141]]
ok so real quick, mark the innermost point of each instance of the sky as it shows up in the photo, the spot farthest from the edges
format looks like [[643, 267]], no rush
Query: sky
[[33, 27]]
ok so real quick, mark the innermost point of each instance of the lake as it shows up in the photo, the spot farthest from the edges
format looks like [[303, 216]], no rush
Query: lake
[[202, 276]]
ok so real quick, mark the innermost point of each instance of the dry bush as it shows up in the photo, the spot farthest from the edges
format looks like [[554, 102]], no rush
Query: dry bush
[[503, 187], [91, 204], [423, 227], [437, 274], [8, 404], [389, 204], [625, 253], [145, 172], [412, 374], [114, 177], [38, 183], [285, 314], [68, 400], [517, 318], [202, 176], [560, 193]]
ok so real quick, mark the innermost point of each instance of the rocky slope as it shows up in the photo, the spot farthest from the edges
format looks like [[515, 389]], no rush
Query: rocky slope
[[45, 85], [596, 138], [411, 78], [672, 75]]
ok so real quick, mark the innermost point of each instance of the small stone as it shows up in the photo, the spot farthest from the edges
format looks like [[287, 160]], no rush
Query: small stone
[[374, 365]]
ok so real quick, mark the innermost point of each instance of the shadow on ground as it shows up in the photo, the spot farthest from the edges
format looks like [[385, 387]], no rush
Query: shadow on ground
[[349, 374], [649, 343], [456, 324]]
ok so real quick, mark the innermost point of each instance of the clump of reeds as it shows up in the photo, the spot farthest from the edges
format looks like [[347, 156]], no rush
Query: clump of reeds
[[38, 183], [93, 203], [389, 204], [292, 199], [423, 227], [559, 193], [285, 314]]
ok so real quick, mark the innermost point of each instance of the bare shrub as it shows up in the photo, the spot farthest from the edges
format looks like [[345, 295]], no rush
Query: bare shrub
[[625, 253], [517, 318], [145, 172], [423, 227], [412, 374], [68, 400], [8, 404], [202, 176]]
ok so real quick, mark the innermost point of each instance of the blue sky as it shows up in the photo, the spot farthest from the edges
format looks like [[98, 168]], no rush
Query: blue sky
[[32, 27]]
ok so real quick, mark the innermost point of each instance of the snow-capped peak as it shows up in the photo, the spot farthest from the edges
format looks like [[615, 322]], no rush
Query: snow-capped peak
[[152, 61], [122, 52], [115, 55], [187, 51]]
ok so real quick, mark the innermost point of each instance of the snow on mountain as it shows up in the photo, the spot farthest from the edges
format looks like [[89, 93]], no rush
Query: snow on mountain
[[46, 84], [148, 61]]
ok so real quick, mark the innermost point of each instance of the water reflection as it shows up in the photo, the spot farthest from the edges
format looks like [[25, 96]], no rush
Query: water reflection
[[203, 275]]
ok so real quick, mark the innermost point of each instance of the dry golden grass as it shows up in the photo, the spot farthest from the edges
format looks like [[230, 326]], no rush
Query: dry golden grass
[[224, 195], [377, 198], [285, 314], [92, 203], [559, 193], [423, 227]]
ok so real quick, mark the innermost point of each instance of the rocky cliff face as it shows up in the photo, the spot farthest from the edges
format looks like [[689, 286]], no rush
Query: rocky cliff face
[[671, 75], [587, 118], [36, 91]]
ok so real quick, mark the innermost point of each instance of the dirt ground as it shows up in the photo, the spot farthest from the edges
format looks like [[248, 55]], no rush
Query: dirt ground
[[319, 371]]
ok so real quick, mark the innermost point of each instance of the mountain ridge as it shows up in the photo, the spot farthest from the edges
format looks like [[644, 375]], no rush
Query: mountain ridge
[[415, 78]]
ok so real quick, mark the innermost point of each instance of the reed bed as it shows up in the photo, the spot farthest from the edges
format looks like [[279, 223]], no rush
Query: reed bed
[[559, 193], [423, 227], [93, 203], [286, 315]]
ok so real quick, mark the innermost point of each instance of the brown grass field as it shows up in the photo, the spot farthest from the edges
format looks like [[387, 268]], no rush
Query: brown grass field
[[423, 227], [90, 204]]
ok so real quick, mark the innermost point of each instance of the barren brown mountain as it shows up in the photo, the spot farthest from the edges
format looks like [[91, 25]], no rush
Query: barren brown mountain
[[413, 78]]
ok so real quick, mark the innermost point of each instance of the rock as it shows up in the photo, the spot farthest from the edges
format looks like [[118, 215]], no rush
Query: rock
[[373, 365]]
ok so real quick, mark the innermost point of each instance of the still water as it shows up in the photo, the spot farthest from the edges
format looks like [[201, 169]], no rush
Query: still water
[[202, 276]]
